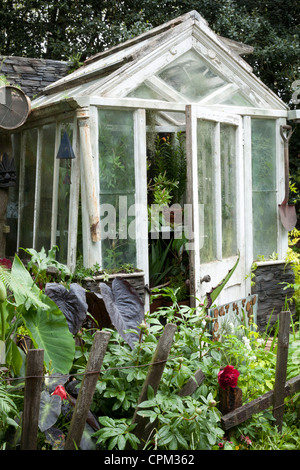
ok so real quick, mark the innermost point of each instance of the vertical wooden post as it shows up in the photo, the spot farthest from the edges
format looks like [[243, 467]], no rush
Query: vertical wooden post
[[87, 389], [33, 385], [281, 367], [230, 399], [154, 375]]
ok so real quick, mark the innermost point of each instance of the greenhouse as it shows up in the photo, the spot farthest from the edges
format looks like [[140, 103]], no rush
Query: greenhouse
[[82, 159]]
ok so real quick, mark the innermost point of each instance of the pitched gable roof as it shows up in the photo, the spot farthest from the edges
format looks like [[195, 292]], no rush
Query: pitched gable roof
[[118, 71]]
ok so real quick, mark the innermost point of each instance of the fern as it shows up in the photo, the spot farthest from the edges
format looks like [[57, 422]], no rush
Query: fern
[[7, 408], [170, 160]]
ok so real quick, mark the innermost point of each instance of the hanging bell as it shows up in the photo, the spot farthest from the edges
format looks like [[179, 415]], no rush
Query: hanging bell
[[65, 150]]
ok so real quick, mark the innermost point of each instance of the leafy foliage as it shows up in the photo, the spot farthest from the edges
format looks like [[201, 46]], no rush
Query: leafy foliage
[[179, 422], [45, 323]]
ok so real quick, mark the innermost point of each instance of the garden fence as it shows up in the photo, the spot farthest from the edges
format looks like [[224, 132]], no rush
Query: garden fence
[[236, 415]]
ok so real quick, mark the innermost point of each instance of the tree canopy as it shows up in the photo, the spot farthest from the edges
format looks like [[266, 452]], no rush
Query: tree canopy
[[77, 29], [69, 29]]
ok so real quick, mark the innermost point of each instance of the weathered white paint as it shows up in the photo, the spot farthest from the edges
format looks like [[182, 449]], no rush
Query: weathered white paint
[[90, 177], [91, 248], [55, 184], [74, 199], [216, 269]]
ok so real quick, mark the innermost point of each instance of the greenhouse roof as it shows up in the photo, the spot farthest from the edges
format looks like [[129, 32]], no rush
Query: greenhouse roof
[[182, 61]]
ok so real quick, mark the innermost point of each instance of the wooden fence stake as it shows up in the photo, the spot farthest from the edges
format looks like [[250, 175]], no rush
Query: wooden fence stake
[[87, 390], [281, 367], [230, 399], [33, 386], [153, 378], [192, 384]]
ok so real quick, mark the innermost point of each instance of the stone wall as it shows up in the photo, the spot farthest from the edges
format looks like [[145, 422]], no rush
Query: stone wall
[[271, 294], [32, 75]]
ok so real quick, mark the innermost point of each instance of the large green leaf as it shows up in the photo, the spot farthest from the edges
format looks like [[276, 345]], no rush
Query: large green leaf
[[49, 331], [15, 356], [23, 287]]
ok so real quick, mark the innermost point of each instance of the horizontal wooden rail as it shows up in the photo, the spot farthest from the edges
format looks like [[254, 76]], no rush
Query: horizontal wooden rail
[[261, 403]]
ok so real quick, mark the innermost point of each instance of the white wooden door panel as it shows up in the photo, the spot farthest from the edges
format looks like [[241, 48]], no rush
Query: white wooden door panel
[[216, 196]]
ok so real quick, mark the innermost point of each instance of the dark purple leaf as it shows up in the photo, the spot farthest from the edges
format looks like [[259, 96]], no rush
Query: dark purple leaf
[[71, 302], [125, 308]]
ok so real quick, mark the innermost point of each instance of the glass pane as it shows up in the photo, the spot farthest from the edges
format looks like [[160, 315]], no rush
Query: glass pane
[[27, 198], [13, 199], [264, 223], [265, 210], [228, 188], [144, 92], [64, 182], [191, 76], [117, 188], [43, 236], [205, 145], [237, 100]]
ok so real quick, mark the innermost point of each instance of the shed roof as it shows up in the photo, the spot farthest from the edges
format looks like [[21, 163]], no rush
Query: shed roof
[[159, 64]]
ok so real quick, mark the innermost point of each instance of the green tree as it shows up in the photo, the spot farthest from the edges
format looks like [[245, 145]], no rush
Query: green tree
[[62, 29]]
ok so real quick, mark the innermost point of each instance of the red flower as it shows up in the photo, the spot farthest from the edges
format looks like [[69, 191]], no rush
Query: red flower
[[6, 263], [60, 390], [228, 377]]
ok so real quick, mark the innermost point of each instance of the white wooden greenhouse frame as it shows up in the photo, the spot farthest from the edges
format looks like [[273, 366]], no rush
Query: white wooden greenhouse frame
[[219, 100]]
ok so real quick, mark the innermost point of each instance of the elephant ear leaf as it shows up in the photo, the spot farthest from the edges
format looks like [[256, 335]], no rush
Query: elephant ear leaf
[[50, 408], [71, 302], [124, 307]]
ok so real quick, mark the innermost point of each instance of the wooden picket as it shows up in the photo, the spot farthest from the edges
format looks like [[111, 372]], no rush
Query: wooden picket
[[142, 430], [87, 389], [281, 367], [32, 394]]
